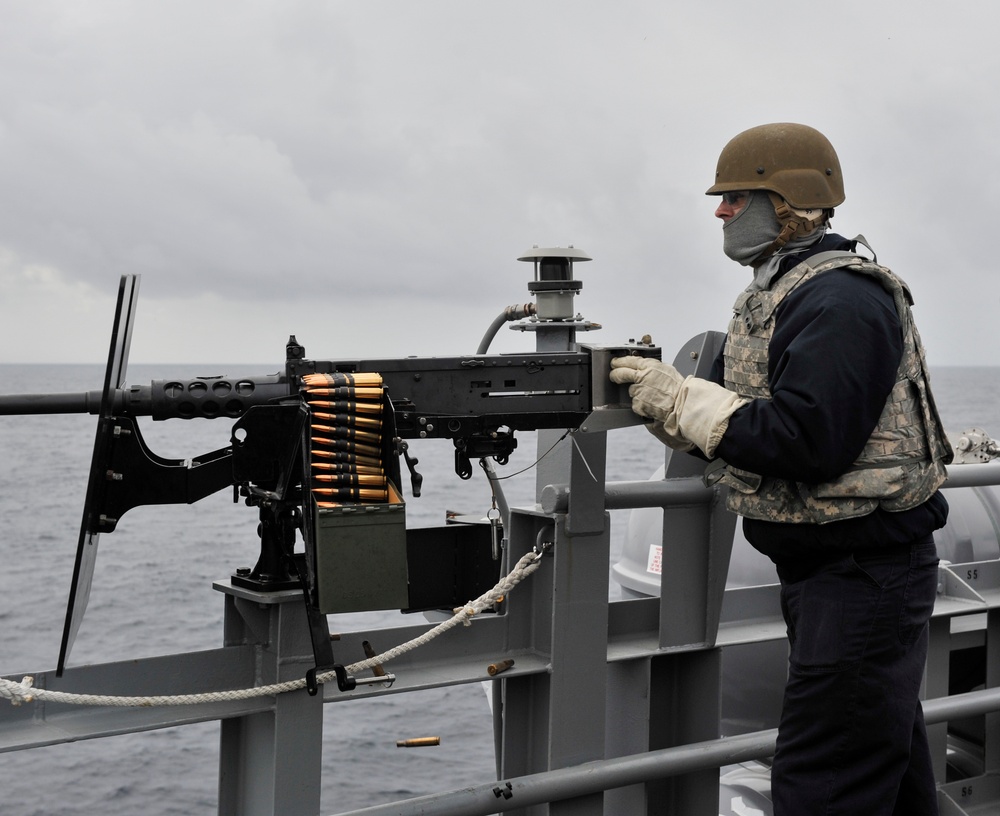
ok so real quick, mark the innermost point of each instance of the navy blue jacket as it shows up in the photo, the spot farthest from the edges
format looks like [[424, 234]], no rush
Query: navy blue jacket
[[832, 362]]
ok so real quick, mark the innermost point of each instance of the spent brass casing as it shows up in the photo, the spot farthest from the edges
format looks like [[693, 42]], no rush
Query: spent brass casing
[[418, 742], [377, 669], [500, 666]]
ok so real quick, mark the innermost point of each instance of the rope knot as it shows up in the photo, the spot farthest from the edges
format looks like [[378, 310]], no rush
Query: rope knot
[[17, 693], [467, 612]]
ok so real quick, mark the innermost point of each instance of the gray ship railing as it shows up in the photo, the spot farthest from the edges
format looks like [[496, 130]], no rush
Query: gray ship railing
[[603, 775]]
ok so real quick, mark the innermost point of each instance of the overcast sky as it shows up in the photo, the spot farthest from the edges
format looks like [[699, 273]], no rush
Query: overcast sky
[[364, 174]]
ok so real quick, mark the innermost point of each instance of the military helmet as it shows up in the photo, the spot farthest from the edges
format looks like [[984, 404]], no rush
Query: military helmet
[[795, 161]]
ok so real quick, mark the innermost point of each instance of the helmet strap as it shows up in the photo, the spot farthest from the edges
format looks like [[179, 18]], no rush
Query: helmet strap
[[793, 222]]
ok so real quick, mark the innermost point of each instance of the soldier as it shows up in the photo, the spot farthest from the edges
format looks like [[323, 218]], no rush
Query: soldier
[[820, 419]]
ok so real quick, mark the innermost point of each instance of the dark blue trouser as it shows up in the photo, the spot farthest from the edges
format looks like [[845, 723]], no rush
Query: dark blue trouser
[[851, 738]]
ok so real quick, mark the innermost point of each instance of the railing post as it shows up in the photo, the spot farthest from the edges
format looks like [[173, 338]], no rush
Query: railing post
[[270, 762]]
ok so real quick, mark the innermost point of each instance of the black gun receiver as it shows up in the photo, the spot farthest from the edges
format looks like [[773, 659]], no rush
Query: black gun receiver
[[478, 401]]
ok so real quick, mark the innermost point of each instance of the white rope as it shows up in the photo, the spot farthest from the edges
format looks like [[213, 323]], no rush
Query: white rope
[[24, 692]]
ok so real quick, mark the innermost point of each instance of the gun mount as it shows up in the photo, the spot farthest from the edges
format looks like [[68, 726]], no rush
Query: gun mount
[[293, 440]]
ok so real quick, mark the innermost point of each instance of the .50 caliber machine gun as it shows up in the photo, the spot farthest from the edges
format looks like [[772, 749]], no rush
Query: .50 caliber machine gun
[[316, 449]]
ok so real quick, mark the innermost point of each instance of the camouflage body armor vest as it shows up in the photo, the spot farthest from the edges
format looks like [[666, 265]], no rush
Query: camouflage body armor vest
[[901, 465]]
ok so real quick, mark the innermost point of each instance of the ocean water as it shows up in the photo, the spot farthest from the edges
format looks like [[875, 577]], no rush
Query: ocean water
[[152, 595]]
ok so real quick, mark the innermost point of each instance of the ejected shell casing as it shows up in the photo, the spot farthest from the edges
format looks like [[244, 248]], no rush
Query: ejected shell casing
[[377, 669], [418, 742], [347, 392], [346, 445], [338, 378], [500, 666], [372, 423], [345, 406]]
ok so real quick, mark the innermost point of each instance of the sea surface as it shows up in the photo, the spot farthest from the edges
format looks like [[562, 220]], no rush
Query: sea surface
[[152, 594]]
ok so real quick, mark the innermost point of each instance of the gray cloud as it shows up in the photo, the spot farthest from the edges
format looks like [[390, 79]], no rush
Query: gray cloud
[[364, 175]]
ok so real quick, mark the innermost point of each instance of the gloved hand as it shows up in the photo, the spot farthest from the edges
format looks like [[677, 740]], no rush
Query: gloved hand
[[687, 412], [654, 384], [654, 391]]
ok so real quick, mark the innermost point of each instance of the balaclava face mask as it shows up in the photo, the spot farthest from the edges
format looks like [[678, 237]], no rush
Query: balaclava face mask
[[752, 230]]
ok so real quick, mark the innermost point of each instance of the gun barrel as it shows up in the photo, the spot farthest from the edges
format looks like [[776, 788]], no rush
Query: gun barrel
[[200, 397], [87, 402]]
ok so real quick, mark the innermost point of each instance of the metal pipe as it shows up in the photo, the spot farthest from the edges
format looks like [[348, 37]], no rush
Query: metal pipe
[[516, 312], [627, 495], [692, 490], [662, 493], [594, 777], [969, 704], [973, 475]]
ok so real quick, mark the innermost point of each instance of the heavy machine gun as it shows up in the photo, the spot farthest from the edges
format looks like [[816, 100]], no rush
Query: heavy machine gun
[[297, 436]]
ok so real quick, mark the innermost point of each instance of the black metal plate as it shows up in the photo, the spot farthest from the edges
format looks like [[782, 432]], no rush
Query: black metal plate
[[86, 550]]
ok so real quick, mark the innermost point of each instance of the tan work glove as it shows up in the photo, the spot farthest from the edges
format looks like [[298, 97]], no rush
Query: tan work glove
[[687, 412]]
